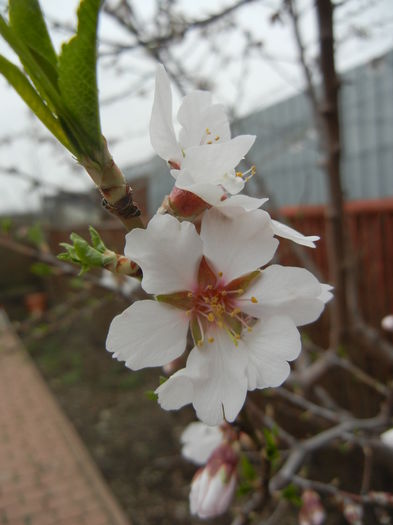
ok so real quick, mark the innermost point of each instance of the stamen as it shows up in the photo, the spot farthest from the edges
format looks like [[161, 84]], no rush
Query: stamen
[[208, 132], [190, 294], [217, 138], [220, 274], [210, 317], [254, 300], [211, 339], [239, 174]]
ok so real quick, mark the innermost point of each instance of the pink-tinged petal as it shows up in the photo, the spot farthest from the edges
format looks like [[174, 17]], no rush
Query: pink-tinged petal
[[199, 442], [282, 230], [240, 201], [162, 133], [210, 163], [147, 334], [285, 290], [237, 244], [272, 343], [169, 253]]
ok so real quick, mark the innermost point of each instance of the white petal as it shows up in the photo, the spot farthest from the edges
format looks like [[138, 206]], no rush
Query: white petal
[[231, 183], [238, 244], [147, 334], [286, 290], [199, 442], [169, 253], [210, 193], [272, 342], [162, 133], [240, 201], [326, 293], [217, 382], [210, 163], [282, 230]]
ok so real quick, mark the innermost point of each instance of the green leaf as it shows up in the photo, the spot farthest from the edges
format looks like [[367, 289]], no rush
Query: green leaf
[[271, 449], [291, 494], [247, 470], [77, 76], [41, 269], [28, 23], [29, 95], [150, 394], [96, 240], [35, 235]]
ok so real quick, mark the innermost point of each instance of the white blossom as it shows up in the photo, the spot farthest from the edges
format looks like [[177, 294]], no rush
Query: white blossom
[[204, 156], [243, 320]]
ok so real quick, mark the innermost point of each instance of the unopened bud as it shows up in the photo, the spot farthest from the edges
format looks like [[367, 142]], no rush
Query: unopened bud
[[312, 511], [213, 486], [387, 323], [185, 204]]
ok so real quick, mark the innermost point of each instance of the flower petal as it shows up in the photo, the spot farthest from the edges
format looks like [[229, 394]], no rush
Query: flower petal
[[209, 163], [282, 230], [162, 133], [238, 244], [219, 383], [285, 290], [168, 252], [202, 121], [147, 334], [210, 193], [240, 201], [272, 343], [199, 441]]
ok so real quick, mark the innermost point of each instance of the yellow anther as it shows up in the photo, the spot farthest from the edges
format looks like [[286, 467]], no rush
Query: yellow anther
[[190, 294], [188, 312], [211, 339], [209, 142], [240, 291], [220, 274], [220, 324], [208, 132], [223, 293], [210, 317], [214, 300], [217, 138], [253, 170], [254, 299], [235, 311], [249, 329], [209, 287], [239, 174], [200, 342]]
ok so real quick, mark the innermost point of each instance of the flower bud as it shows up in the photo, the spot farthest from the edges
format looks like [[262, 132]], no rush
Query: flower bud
[[312, 511], [213, 486], [387, 437], [185, 204], [387, 323]]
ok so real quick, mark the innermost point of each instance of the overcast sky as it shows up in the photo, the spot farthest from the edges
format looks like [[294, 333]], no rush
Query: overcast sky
[[247, 86]]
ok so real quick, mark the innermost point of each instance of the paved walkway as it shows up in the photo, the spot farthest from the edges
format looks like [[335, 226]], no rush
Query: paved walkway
[[46, 475]]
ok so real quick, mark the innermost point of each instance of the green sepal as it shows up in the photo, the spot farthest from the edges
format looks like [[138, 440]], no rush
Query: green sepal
[[196, 331], [243, 282], [181, 300]]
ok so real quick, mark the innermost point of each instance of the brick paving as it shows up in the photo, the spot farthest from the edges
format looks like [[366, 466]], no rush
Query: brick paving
[[46, 475]]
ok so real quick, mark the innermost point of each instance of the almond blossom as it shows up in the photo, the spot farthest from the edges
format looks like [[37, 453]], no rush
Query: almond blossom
[[242, 319], [204, 156]]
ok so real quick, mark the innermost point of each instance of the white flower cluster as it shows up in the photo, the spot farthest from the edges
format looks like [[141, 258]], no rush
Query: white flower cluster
[[211, 278]]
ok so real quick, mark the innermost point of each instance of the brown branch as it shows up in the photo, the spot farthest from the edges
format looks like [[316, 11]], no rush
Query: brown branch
[[299, 452]]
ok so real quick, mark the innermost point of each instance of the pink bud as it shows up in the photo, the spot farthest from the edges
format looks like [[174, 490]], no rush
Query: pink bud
[[186, 204], [213, 486], [312, 511]]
